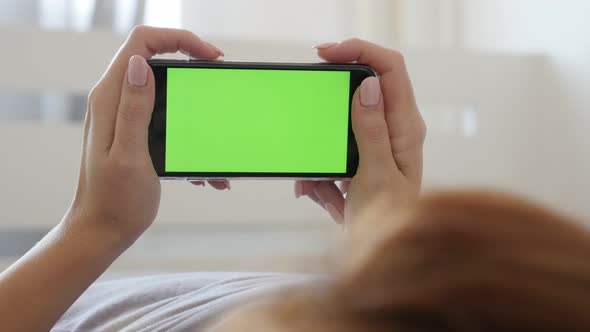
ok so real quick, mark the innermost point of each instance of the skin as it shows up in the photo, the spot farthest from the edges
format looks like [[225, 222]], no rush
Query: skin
[[390, 137], [117, 197], [118, 191]]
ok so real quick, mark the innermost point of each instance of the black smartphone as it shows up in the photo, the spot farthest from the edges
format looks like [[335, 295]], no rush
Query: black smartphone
[[223, 120]]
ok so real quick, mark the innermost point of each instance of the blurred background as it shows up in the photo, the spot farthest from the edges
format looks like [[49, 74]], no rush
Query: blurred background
[[502, 84]]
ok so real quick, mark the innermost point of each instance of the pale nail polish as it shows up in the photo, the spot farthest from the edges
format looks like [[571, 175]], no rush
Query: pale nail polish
[[370, 92], [325, 46], [228, 185], [137, 72]]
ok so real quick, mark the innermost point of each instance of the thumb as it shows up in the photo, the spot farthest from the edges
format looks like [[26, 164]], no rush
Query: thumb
[[135, 108], [371, 130]]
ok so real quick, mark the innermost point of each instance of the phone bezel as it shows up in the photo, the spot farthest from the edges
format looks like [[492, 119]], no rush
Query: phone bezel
[[157, 127]]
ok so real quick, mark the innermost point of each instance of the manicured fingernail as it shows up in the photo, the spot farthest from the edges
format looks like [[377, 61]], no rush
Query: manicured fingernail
[[298, 189], [370, 92], [334, 213], [324, 46], [137, 73], [228, 185]]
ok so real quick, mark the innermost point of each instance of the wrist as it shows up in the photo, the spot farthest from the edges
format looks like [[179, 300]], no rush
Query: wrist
[[94, 236]]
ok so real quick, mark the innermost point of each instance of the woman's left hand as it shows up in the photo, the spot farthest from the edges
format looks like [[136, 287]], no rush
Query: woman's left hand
[[118, 189]]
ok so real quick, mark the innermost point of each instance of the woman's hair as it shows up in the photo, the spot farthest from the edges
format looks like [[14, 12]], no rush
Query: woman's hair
[[463, 262]]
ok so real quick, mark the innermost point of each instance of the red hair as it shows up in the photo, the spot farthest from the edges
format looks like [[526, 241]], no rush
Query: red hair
[[465, 261]]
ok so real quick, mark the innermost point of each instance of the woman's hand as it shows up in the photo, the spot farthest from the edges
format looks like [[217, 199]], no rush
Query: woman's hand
[[389, 131], [118, 189]]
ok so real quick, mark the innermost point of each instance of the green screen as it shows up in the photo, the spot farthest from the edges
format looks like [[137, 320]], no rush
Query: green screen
[[256, 121]]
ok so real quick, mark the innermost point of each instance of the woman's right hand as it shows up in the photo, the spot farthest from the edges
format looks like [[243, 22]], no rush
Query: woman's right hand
[[390, 133]]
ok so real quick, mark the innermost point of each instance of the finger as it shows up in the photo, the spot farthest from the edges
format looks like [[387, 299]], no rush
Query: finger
[[406, 126], [358, 50], [298, 188], [220, 184], [146, 42], [135, 110], [316, 199], [332, 199], [306, 187], [220, 53], [371, 131]]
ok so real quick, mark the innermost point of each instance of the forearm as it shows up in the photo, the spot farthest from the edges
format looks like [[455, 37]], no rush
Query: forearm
[[37, 290]]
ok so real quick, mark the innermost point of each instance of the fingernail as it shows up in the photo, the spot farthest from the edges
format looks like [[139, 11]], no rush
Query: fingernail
[[325, 46], [334, 213], [228, 185], [370, 92], [217, 49], [298, 189], [137, 73]]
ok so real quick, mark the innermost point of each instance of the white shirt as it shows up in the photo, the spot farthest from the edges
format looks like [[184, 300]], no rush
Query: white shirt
[[178, 302]]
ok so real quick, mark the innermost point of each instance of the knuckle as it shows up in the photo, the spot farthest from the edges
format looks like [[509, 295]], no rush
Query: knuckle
[[189, 34], [397, 57], [422, 131], [355, 40], [134, 111], [94, 98], [419, 131], [92, 94], [96, 91], [411, 138], [140, 31], [375, 133], [359, 43]]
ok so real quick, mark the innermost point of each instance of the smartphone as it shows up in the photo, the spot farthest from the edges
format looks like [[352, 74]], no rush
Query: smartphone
[[225, 120]]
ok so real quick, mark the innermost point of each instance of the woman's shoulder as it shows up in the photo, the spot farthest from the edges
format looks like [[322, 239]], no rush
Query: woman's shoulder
[[165, 302]]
